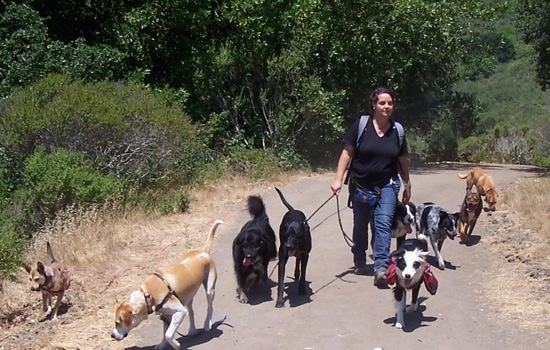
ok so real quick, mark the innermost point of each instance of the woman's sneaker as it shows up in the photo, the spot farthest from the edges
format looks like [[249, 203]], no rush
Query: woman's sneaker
[[380, 278], [360, 268]]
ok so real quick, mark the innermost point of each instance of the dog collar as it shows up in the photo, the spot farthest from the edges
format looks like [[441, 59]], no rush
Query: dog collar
[[148, 301]]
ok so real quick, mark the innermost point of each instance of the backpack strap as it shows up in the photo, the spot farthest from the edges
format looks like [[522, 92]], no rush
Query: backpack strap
[[400, 132], [360, 131]]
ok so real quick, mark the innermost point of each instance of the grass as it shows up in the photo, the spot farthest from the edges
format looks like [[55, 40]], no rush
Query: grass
[[520, 236]]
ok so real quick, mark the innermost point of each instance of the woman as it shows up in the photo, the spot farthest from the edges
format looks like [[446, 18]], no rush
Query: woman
[[376, 160]]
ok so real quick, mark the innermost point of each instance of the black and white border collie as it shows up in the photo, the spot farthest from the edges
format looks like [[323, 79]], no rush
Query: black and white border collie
[[410, 264], [403, 220], [436, 224]]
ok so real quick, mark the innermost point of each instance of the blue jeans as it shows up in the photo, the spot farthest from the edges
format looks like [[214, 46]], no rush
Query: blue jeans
[[380, 218]]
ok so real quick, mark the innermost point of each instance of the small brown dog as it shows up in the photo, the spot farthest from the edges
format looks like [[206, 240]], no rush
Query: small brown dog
[[51, 280], [469, 212], [484, 185], [169, 291]]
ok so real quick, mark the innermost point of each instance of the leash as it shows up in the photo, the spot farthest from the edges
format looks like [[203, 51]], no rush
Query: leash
[[322, 205], [347, 239]]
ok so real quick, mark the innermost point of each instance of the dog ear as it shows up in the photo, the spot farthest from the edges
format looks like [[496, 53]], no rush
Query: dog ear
[[41, 268], [27, 267], [397, 252]]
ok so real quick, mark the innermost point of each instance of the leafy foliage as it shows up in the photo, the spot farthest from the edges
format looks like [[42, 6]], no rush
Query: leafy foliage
[[124, 130], [52, 182], [27, 53], [534, 22]]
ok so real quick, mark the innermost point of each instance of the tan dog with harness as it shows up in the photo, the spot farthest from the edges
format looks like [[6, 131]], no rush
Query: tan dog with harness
[[51, 280], [169, 291]]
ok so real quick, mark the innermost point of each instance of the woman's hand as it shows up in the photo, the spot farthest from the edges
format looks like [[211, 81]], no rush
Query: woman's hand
[[406, 193], [336, 186]]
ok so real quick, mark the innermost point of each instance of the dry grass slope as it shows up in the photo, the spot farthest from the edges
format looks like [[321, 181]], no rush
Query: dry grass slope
[[519, 284]]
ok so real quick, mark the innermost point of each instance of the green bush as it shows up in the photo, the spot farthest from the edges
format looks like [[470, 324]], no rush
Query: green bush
[[125, 130], [12, 248], [254, 163], [54, 181]]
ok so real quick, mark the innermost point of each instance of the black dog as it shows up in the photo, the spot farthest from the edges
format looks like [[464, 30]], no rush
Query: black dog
[[437, 224], [253, 247], [409, 267], [295, 239]]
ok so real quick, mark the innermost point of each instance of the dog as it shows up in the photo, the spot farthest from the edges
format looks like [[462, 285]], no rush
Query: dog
[[404, 217], [170, 291], [295, 240], [253, 247], [469, 213], [484, 185], [437, 224], [51, 280], [410, 265]]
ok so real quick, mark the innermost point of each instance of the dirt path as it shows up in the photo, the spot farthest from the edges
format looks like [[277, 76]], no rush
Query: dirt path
[[343, 310]]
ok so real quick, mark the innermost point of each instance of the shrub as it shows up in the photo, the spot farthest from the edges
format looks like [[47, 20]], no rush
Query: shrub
[[53, 181], [12, 248], [254, 163], [124, 130]]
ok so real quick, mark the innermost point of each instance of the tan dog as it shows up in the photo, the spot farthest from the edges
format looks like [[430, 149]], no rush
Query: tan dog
[[51, 280], [469, 212], [169, 291], [484, 185]]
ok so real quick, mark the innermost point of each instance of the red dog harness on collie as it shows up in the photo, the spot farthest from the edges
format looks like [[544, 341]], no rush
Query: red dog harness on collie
[[430, 281]]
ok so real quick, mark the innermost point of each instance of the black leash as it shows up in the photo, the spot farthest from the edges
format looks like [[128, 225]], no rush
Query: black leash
[[322, 205], [347, 239]]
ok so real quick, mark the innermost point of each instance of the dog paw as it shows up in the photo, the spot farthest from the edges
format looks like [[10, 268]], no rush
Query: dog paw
[[192, 331], [243, 299], [279, 303], [399, 325], [411, 308]]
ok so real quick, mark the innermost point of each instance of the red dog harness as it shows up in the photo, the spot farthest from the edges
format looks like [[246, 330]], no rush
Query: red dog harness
[[429, 279], [48, 284]]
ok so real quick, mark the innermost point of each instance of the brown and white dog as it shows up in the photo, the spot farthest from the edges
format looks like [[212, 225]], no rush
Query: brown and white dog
[[52, 280], [169, 291], [484, 185], [469, 213]]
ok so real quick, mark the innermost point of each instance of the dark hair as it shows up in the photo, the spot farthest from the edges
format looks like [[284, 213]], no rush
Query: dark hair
[[374, 96]]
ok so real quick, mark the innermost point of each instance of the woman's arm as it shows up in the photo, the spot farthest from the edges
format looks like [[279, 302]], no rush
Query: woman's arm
[[404, 173], [343, 162]]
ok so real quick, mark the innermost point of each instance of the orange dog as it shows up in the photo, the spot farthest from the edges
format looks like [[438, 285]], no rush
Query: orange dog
[[469, 213], [484, 185]]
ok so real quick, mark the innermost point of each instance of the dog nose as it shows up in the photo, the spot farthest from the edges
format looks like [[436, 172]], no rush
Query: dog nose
[[407, 275]]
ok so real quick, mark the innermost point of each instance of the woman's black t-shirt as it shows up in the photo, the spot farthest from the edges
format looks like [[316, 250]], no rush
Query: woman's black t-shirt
[[375, 159]]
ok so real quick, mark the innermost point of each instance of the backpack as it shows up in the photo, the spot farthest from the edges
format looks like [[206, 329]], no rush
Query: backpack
[[360, 132]]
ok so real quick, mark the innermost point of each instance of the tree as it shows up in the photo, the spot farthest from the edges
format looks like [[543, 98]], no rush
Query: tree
[[534, 21]]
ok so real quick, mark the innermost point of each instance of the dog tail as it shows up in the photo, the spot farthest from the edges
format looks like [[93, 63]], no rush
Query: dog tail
[[50, 253], [462, 176], [208, 245], [287, 205], [256, 207]]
